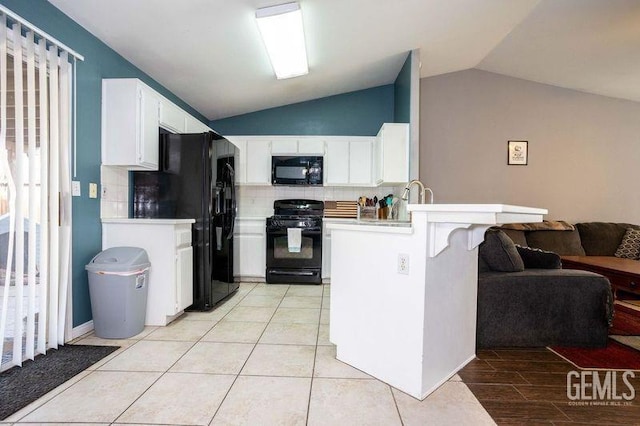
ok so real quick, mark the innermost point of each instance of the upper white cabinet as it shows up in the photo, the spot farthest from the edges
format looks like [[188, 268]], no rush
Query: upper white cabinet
[[297, 145], [361, 162], [311, 145], [191, 125], [253, 160], [132, 115], [172, 118], [392, 154], [130, 127], [336, 162], [284, 146], [348, 161]]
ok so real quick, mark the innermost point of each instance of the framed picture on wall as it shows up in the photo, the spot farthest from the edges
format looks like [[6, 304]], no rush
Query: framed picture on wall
[[517, 153]]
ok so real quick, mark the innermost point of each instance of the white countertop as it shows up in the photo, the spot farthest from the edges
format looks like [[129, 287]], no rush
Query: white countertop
[[124, 220], [493, 208]]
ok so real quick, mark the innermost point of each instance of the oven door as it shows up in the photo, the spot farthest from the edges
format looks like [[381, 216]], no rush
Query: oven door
[[309, 256]]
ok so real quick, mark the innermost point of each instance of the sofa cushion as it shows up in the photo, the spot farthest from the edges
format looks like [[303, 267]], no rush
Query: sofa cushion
[[482, 265], [629, 248], [602, 238], [500, 253], [538, 259], [545, 225], [564, 243], [518, 237], [541, 307]]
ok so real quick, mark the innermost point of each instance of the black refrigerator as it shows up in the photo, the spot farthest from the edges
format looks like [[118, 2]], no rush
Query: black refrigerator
[[196, 180]]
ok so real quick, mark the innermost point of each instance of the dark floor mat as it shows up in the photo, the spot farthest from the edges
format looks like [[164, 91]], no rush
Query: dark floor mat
[[19, 386]]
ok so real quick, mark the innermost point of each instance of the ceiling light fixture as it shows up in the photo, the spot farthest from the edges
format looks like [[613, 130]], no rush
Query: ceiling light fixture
[[283, 35]]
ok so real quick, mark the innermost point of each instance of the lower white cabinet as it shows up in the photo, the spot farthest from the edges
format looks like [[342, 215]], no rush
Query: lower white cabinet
[[250, 249], [326, 251], [326, 245], [168, 245]]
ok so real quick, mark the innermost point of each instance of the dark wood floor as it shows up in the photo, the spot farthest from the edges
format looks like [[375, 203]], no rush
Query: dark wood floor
[[529, 386]]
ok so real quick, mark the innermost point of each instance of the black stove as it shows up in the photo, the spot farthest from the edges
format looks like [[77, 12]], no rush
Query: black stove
[[279, 221], [294, 242]]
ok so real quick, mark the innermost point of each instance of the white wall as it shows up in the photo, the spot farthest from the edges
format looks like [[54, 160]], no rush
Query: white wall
[[584, 150]]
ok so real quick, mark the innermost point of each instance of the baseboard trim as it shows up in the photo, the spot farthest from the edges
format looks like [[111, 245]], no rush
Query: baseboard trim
[[81, 329]]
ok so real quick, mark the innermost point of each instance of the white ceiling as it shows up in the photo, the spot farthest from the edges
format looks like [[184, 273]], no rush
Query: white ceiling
[[208, 52]]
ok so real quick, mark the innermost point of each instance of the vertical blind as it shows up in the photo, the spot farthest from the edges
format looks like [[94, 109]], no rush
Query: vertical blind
[[35, 202]]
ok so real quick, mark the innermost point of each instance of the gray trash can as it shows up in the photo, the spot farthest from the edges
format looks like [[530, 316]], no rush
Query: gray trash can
[[118, 286]]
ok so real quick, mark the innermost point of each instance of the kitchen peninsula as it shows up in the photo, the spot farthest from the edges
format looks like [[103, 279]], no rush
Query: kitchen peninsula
[[403, 299]]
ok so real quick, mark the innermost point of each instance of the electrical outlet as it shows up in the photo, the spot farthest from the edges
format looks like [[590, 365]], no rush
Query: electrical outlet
[[93, 190], [403, 264], [75, 188]]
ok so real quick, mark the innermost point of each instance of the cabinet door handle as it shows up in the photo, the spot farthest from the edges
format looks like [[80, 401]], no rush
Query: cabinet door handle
[[633, 284]]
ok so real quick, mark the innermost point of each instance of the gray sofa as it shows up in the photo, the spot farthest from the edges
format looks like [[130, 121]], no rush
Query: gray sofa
[[535, 303], [581, 239]]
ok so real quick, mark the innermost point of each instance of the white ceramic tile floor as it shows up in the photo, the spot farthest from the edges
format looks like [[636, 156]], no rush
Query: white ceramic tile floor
[[262, 357]]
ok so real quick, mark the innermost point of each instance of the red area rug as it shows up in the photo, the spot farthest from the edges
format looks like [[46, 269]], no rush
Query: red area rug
[[626, 321], [614, 357]]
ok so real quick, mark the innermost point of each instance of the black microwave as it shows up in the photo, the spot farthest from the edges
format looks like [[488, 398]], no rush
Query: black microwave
[[296, 170]]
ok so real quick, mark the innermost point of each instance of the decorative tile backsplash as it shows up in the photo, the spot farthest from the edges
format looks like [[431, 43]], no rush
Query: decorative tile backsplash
[[114, 192], [253, 201], [257, 201]]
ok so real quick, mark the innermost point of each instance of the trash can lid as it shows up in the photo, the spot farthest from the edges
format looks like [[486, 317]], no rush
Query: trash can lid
[[119, 259]]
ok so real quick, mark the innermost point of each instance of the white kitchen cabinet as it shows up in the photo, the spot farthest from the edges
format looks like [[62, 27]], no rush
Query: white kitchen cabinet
[[361, 162], [297, 145], [250, 248], [326, 251], [253, 160], [282, 146], [130, 125], [336, 162], [168, 245], [326, 244], [192, 125], [348, 161], [311, 145], [172, 118], [392, 154]]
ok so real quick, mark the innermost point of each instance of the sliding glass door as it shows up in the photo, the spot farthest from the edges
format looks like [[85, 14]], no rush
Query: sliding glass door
[[35, 205]]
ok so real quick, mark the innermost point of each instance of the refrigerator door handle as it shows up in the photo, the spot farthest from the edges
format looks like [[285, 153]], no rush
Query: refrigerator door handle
[[232, 185], [219, 199]]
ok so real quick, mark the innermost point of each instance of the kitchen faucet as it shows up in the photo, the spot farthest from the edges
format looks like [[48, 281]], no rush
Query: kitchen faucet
[[405, 194]]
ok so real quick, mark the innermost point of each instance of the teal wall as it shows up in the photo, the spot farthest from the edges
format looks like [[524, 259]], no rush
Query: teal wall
[[100, 62], [359, 113], [402, 93]]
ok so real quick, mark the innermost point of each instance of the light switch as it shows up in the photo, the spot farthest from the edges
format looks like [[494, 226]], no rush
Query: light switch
[[93, 190], [75, 188]]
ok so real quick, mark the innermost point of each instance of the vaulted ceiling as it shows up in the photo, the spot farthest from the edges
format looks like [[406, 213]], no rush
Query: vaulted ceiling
[[209, 53]]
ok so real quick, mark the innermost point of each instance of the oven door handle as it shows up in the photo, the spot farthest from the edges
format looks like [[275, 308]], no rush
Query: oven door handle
[[294, 273], [284, 232]]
